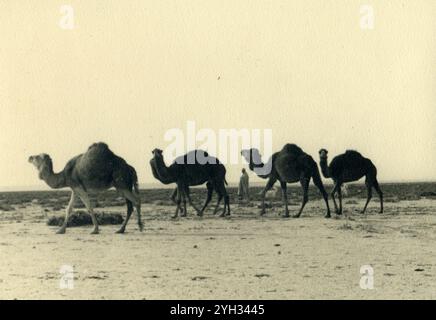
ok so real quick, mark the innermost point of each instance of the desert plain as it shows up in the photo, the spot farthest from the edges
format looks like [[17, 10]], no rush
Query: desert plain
[[244, 256]]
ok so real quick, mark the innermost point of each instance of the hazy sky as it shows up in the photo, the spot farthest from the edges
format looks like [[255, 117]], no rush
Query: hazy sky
[[130, 70]]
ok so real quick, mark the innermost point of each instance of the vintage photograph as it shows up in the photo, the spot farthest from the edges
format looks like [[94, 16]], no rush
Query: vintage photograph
[[217, 150]]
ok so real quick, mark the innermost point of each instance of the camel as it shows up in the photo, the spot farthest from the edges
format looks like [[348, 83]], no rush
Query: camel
[[97, 169], [347, 167], [173, 196], [289, 165], [188, 170]]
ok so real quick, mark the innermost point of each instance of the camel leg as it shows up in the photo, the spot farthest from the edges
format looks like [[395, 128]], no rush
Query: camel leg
[[185, 212], [209, 197], [199, 212], [305, 185], [221, 189], [188, 196], [174, 198], [178, 201], [135, 199], [138, 216], [174, 195], [129, 213], [318, 183], [68, 211], [335, 189], [87, 202], [181, 196], [340, 199], [268, 186], [380, 194], [220, 196], [227, 201], [285, 198], [369, 196]]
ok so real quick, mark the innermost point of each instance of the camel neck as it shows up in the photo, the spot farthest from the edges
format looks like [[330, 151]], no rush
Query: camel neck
[[163, 173], [324, 167], [255, 165], [260, 169], [54, 180]]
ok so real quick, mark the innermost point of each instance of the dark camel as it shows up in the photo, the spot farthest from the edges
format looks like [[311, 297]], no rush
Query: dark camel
[[347, 167], [289, 165], [173, 196], [192, 169], [97, 169]]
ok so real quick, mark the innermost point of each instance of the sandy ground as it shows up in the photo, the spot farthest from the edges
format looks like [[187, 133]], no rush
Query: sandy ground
[[242, 257]]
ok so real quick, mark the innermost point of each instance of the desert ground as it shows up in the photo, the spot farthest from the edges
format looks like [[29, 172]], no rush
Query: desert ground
[[244, 256]]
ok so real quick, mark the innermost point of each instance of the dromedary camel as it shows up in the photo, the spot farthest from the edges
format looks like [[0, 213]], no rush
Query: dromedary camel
[[97, 169], [289, 165], [347, 167], [173, 196], [192, 169]]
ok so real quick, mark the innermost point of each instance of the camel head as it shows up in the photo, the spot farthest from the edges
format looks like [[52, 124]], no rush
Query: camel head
[[42, 163], [252, 156], [157, 152], [323, 153]]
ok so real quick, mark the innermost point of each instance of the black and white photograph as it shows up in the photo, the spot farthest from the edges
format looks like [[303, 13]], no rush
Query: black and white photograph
[[217, 150]]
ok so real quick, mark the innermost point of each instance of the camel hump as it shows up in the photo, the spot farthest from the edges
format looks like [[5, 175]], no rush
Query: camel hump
[[97, 155], [99, 149], [353, 154], [197, 152], [293, 149], [196, 156], [99, 145]]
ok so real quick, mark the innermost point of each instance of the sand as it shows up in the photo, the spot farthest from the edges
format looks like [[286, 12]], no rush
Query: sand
[[241, 257]]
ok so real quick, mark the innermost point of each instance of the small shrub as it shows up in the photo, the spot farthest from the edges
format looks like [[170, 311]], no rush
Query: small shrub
[[82, 218]]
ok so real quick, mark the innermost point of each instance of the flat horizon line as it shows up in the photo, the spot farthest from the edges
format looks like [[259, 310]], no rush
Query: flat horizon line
[[157, 185]]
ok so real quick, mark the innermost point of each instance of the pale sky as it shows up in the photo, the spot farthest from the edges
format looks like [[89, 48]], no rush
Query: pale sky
[[131, 70]]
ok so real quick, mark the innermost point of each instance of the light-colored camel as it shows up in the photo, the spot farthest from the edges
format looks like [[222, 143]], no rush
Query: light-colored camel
[[96, 170], [288, 165]]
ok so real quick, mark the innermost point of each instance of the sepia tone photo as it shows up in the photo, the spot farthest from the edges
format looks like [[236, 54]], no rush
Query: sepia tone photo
[[217, 150]]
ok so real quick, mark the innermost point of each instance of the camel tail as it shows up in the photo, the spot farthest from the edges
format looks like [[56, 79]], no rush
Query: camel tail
[[225, 182], [135, 181], [136, 187]]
